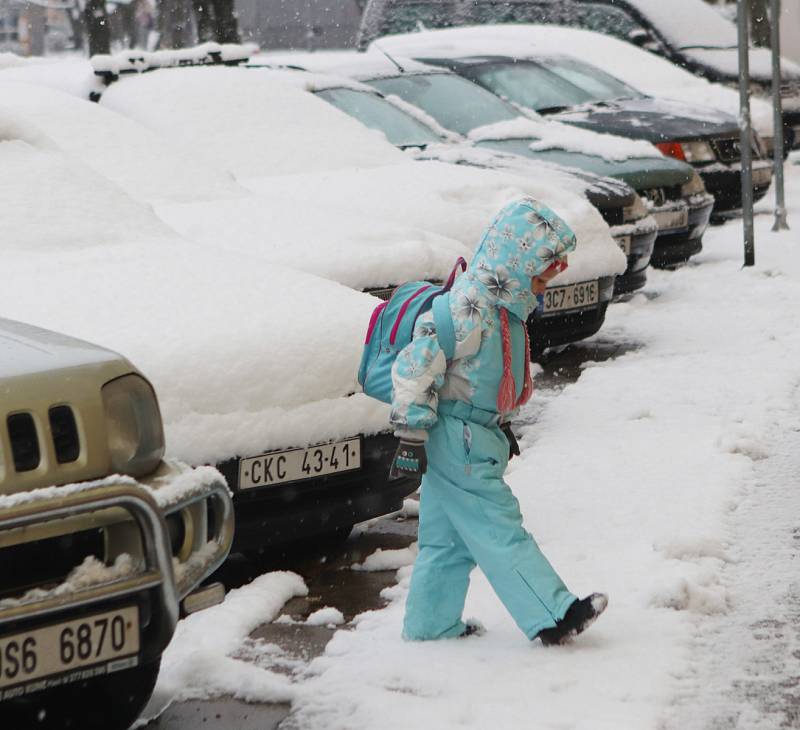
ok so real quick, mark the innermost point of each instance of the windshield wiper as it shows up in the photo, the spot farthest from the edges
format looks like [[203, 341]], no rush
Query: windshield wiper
[[553, 109], [707, 48]]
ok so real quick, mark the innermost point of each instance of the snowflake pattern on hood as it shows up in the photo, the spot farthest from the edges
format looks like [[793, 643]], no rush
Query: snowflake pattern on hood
[[523, 241]]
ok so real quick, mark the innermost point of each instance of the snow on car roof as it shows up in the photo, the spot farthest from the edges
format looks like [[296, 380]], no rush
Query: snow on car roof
[[686, 23], [640, 69], [245, 354], [254, 122], [140, 161]]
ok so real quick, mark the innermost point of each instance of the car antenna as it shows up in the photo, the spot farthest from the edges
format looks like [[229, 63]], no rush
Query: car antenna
[[399, 67]]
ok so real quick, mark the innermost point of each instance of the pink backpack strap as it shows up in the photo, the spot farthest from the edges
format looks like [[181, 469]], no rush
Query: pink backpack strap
[[460, 263]]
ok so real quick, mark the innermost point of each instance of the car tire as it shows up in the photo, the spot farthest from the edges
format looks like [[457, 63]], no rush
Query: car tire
[[113, 702]]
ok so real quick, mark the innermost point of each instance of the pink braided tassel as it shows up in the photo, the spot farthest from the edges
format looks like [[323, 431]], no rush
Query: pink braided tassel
[[507, 393]]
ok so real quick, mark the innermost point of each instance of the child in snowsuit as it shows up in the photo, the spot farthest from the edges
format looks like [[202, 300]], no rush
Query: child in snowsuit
[[452, 419]]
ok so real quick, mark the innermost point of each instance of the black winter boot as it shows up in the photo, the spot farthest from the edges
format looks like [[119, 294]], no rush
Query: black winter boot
[[579, 617], [472, 627]]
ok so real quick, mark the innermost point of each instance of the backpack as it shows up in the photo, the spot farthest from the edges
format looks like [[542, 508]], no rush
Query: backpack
[[391, 328]]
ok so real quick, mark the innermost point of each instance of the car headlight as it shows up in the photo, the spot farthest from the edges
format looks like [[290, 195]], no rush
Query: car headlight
[[698, 151], [636, 210], [695, 186], [133, 425]]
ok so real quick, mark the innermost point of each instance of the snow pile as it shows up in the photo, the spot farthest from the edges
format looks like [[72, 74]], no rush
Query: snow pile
[[551, 135], [387, 559], [326, 616], [141, 162], [252, 121], [640, 69], [649, 522], [447, 200], [166, 303], [69, 75], [175, 482], [372, 64], [199, 664]]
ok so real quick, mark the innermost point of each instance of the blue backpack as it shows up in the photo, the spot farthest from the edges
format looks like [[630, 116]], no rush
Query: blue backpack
[[391, 328]]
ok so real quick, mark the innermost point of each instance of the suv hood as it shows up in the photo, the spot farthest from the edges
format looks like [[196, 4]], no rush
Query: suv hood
[[25, 350], [654, 120]]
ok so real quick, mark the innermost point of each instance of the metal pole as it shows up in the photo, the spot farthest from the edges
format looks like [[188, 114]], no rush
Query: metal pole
[[746, 132], [777, 107]]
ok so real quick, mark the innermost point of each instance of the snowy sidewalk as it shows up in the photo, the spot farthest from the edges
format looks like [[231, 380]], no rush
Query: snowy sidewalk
[[664, 476]]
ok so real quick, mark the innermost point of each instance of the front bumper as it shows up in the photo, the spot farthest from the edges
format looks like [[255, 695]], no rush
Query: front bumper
[[636, 240], [724, 182], [156, 585], [679, 245], [562, 328], [283, 514]]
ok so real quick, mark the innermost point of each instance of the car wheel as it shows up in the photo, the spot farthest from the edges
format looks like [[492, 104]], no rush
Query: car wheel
[[113, 702]]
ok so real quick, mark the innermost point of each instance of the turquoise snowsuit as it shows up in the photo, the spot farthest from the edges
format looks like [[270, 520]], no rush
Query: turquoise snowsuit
[[468, 514]]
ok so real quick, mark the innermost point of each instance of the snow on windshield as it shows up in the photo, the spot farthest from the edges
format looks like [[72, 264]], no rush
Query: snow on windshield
[[687, 23], [640, 69], [252, 121]]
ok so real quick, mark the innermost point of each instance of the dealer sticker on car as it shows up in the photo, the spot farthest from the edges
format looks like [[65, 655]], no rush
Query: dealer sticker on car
[[292, 465], [573, 296], [59, 649]]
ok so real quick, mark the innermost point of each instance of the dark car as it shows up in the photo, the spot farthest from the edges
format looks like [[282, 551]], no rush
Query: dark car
[[571, 91], [676, 195], [687, 32]]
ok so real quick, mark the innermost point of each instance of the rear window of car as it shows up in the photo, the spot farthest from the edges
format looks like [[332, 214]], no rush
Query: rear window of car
[[598, 84], [499, 11], [457, 104]]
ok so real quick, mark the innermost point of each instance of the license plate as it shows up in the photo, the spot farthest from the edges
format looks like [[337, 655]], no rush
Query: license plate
[[99, 641], [668, 220], [624, 242], [762, 175], [573, 296], [294, 465]]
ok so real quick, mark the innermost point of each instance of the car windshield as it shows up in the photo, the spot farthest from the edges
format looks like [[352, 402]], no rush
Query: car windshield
[[400, 128], [455, 103], [600, 85], [529, 85]]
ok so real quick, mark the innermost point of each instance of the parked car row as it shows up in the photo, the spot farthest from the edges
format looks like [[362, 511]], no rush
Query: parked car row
[[227, 221]]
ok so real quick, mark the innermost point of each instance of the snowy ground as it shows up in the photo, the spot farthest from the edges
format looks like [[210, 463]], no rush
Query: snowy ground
[[664, 477]]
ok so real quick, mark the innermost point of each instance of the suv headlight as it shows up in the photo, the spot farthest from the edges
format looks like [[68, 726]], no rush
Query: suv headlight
[[698, 151], [133, 425]]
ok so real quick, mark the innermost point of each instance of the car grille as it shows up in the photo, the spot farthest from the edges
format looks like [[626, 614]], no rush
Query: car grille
[[385, 294], [613, 216], [662, 196], [727, 150], [24, 438]]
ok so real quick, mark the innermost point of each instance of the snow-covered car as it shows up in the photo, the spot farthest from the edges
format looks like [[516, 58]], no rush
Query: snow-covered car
[[409, 128], [645, 71], [566, 89], [689, 33], [401, 218], [102, 543], [465, 108]]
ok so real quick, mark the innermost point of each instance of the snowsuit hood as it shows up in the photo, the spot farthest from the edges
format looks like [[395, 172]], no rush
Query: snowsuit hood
[[522, 242]]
